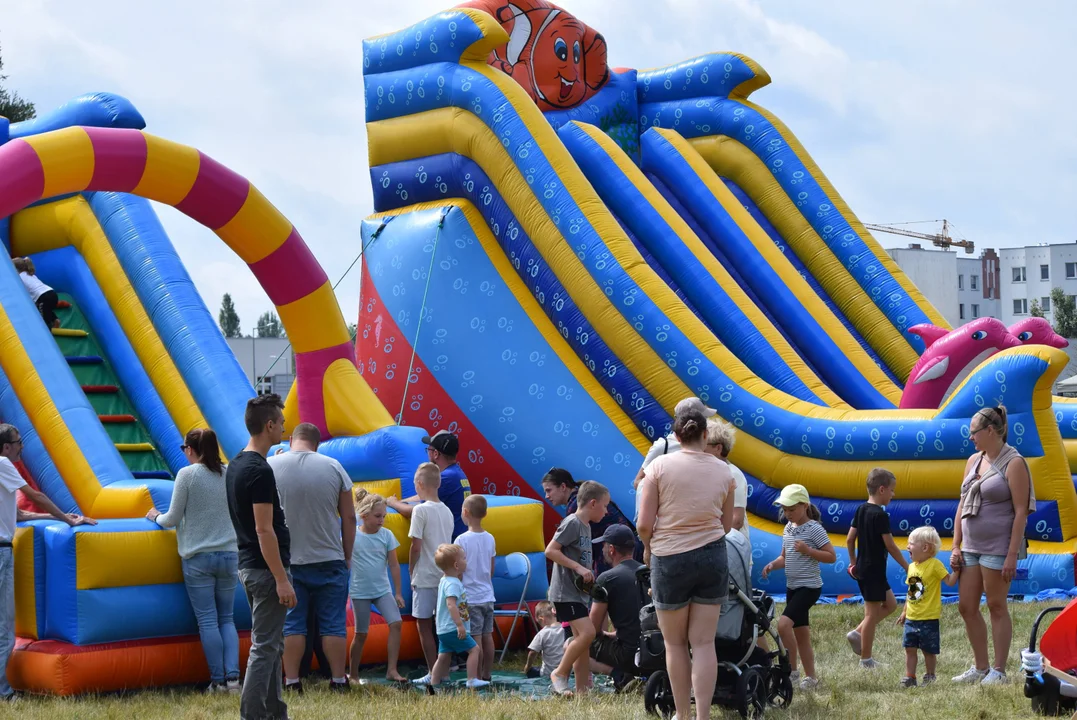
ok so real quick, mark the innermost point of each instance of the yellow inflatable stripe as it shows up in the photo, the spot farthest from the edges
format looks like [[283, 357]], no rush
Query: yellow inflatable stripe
[[716, 270], [538, 318], [784, 269], [72, 221], [148, 558], [314, 321], [729, 158], [349, 401], [892, 267], [67, 157], [25, 585], [134, 447], [257, 230], [170, 172], [69, 332], [385, 488]]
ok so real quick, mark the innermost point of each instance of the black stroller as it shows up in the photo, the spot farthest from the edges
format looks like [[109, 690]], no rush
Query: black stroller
[[749, 677]]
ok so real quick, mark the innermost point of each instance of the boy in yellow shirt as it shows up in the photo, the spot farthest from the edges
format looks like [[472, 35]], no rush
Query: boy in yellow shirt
[[923, 603]]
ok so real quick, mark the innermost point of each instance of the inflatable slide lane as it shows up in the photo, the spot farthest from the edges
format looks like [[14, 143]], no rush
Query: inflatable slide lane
[[104, 401], [562, 251]]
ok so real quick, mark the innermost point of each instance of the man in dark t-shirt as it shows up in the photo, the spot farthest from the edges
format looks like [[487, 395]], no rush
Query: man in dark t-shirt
[[264, 556], [617, 596], [441, 449]]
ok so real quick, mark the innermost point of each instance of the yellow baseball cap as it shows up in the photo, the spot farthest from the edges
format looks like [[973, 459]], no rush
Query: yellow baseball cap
[[793, 495]]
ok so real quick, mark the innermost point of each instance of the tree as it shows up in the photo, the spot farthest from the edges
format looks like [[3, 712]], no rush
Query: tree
[[352, 330], [229, 318], [1065, 311], [12, 106], [1035, 310], [269, 326]]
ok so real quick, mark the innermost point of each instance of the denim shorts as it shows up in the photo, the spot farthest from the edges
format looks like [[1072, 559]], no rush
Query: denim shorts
[[991, 562], [923, 634], [697, 576], [481, 621], [323, 586], [450, 642]]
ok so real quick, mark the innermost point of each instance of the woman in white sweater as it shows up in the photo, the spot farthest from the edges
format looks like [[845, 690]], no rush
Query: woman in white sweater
[[207, 544]]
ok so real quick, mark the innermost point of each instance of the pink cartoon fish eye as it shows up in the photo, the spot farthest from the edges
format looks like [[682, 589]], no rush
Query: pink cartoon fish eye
[[560, 49], [576, 51], [979, 335], [1026, 335]]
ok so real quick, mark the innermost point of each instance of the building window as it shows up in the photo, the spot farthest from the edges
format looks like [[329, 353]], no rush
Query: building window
[[961, 311], [1045, 304], [975, 309], [1045, 272], [1071, 270], [960, 282], [1019, 274], [974, 282], [1020, 306]]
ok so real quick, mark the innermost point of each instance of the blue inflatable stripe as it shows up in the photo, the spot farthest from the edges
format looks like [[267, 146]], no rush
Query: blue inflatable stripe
[[208, 367], [665, 161], [730, 324], [441, 177], [65, 269], [905, 515], [794, 259], [613, 109], [659, 270], [92, 109], [670, 98]]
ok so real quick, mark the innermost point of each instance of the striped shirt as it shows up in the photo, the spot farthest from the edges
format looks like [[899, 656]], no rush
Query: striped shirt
[[802, 571]]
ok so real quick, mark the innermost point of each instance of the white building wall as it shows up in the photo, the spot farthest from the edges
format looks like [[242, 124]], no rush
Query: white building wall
[[970, 294], [1034, 260], [934, 272]]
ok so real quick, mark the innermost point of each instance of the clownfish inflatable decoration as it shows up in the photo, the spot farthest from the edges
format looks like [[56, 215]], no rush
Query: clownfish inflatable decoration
[[558, 60]]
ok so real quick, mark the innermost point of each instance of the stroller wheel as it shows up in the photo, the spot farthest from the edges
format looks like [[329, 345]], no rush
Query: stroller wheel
[[752, 692], [779, 688], [658, 695]]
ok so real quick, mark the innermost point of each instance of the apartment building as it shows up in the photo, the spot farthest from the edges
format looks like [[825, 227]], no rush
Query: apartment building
[[961, 288], [1030, 273]]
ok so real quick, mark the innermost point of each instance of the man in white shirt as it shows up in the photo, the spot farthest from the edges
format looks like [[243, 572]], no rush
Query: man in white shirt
[[668, 443], [10, 483]]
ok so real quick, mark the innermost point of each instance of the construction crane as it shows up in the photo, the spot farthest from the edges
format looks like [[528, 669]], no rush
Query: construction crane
[[943, 239]]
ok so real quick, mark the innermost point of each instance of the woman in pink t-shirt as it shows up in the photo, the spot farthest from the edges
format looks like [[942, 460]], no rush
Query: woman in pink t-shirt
[[686, 508]]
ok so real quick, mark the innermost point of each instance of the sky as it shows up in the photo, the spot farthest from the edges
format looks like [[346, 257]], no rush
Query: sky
[[918, 110]]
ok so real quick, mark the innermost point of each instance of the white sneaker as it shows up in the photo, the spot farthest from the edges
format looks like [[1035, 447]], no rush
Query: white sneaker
[[233, 687], [995, 677], [424, 680], [870, 664], [809, 683], [476, 683], [970, 676]]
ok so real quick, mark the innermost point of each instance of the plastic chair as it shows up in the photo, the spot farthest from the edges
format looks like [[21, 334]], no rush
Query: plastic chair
[[517, 565]]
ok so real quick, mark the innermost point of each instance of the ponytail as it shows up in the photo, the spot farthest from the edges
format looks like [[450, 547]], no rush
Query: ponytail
[[813, 512], [995, 417], [204, 442], [366, 502]]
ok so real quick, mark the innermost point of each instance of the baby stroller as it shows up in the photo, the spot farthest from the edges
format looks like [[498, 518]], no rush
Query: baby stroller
[[1049, 682], [749, 677]]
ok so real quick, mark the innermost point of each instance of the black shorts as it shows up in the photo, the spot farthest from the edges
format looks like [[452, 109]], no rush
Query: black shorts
[[611, 651], [798, 601], [874, 587], [569, 611], [696, 576]]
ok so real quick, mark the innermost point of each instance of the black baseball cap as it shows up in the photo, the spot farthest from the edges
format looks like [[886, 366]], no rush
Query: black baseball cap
[[619, 536], [444, 442]]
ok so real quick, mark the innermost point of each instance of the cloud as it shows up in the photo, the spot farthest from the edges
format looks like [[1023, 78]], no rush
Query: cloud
[[914, 110]]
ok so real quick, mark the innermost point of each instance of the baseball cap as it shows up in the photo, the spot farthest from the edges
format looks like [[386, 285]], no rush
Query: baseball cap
[[694, 404], [444, 442], [618, 535], [793, 495]]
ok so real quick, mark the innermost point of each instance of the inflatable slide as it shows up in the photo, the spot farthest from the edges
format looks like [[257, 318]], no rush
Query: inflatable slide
[[563, 250], [104, 401]]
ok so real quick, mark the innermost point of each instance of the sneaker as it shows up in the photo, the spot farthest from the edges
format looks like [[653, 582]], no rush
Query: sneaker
[[475, 684], [296, 687], [870, 664], [995, 677], [970, 676], [908, 682], [809, 683], [215, 688], [338, 686], [854, 641], [928, 679], [424, 680]]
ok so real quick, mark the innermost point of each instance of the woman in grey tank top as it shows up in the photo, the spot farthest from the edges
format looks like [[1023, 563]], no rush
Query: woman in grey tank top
[[989, 534]]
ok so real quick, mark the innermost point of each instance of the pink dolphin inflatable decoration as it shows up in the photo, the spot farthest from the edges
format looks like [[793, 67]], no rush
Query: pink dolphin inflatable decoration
[[1037, 331], [950, 356]]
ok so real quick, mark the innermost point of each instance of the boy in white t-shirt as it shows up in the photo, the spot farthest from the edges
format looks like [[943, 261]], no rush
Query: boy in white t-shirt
[[548, 645], [478, 579], [431, 526]]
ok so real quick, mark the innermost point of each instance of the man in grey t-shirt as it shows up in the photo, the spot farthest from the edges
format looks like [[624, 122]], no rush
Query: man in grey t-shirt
[[315, 493]]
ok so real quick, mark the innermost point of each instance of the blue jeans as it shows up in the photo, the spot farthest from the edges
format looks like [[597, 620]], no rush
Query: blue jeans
[[211, 579], [7, 616], [325, 586]]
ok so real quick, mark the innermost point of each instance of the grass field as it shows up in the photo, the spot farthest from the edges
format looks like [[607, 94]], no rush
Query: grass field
[[846, 691]]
